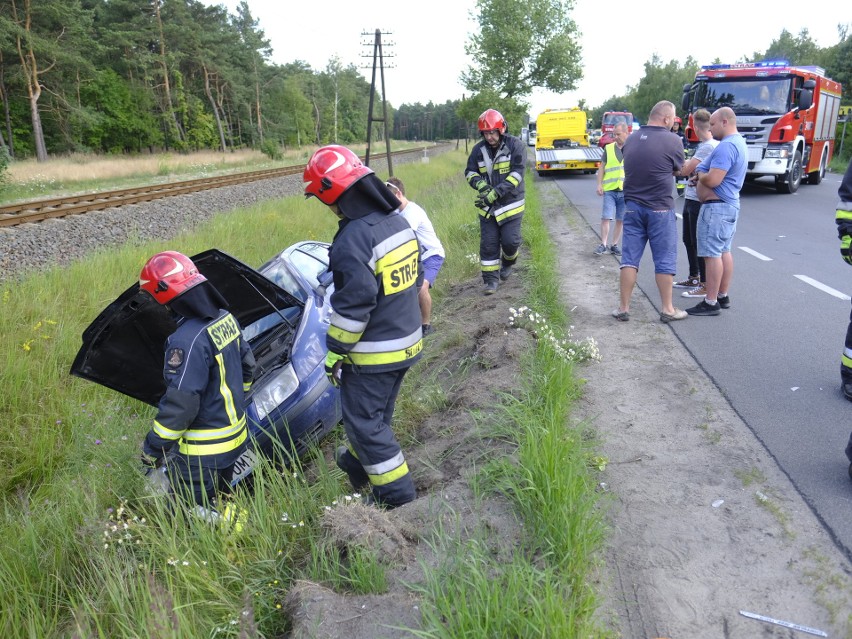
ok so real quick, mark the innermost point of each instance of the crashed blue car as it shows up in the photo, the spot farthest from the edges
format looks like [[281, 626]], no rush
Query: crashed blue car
[[284, 311]]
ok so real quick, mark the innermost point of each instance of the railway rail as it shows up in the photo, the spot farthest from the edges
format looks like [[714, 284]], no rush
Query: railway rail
[[39, 210]]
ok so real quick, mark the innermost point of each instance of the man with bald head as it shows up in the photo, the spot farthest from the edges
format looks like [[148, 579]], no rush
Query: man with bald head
[[720, 178], [651, 158]]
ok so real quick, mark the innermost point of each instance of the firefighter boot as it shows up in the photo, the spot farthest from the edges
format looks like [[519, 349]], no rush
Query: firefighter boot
[[491, 281], [349, 464], [507, 263]]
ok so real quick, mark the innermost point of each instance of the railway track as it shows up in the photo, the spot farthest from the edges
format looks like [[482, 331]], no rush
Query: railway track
[[39, 210]]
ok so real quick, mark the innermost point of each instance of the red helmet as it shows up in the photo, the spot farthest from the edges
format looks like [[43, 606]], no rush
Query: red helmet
[[330, 171], [168, 274], [491, 120], [677, 120]]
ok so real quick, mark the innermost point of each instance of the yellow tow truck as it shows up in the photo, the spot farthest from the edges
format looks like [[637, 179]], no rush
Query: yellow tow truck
[[563, 142]]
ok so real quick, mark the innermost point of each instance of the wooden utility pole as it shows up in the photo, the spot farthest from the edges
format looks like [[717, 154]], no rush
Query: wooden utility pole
[[378, 63]]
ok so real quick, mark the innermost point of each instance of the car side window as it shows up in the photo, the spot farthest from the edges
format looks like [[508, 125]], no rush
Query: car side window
[[311, 264]]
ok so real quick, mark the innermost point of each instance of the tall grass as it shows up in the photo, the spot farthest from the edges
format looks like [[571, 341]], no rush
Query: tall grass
[[546, 589], [87, 552]]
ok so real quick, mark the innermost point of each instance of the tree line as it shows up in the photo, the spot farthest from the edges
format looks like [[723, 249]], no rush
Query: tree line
[[128, 76], [124, 76]]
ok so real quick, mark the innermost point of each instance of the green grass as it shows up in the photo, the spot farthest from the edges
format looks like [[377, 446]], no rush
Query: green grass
[[87, 552]]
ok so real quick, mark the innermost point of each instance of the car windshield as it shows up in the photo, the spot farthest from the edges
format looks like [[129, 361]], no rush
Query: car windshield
[[763, 96], [611, 119], [270, 322]]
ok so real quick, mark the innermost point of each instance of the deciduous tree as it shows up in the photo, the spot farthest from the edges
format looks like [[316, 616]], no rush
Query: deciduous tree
[[522, 45]]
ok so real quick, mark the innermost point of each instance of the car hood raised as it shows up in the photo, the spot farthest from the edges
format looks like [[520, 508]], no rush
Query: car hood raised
[[123, 348]]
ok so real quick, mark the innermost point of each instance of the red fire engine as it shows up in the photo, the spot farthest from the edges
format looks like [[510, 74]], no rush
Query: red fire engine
[[608, 122], [787, 115]]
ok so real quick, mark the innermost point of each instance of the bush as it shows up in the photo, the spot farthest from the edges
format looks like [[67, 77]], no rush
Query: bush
[[5, 158], [271, 149]]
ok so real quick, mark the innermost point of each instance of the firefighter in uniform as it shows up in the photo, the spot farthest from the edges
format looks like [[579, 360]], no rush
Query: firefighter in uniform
[[495, 169], [375, 333], [844, 232], [208, 369]]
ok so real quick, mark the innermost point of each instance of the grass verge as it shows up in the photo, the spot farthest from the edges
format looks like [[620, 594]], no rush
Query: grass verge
[[88, 553]]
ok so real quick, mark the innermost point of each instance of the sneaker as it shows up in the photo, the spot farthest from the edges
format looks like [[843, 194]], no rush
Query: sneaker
[[490, 288], [621, 316], [679, 314], [698, 291], [505, 272], [724, 302], [689, 282], [703, 308], [601, 250], [847, 390], [615, 250]]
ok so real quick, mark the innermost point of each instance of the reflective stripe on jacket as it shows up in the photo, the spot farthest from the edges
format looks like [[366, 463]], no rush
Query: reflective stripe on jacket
[[375, 322], [843, 217], [613, 178], [503, 169], [208, 366]]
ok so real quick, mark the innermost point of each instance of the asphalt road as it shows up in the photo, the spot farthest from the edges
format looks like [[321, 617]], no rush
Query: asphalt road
[[775, 354]]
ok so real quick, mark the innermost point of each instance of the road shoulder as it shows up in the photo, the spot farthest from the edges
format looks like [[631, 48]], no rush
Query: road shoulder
[[704, 524]]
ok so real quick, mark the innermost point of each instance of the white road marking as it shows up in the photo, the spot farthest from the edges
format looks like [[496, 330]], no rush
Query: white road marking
[[754, 253], [823, 287]]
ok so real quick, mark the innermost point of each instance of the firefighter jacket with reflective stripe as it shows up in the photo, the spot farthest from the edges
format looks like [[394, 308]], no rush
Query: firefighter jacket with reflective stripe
[[208, 369], [613, 178], [503, 169], [375, 322], [843, 218]]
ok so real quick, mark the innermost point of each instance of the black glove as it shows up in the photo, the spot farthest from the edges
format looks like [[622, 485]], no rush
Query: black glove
[[333, 363], [846, 248], [150, 462], [490, 195], [481, 185], [486, 199]]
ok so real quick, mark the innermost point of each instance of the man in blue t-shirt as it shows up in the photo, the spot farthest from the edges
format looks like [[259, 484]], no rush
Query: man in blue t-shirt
[[720, 178]]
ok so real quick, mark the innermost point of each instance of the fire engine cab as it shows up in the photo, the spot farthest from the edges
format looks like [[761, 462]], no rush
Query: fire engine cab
[[787, 115], [608, 122]]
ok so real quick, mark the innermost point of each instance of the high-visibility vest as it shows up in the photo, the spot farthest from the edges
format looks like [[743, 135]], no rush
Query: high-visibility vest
[[613, 179]]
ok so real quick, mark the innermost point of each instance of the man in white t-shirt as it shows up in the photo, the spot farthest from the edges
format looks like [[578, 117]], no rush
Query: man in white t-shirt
[[431, 250]]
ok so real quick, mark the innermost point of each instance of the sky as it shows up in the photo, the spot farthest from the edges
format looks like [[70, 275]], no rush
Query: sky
[[423, 42]]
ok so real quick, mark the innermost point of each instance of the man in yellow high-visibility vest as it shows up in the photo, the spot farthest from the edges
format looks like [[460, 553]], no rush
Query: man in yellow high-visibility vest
[[611, 187]]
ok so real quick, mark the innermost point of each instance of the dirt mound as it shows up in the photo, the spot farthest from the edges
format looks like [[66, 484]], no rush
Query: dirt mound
[[479, 361]]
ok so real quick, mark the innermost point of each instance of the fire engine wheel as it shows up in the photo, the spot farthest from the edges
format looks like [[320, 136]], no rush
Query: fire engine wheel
[[790, 182], [817, 176]]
